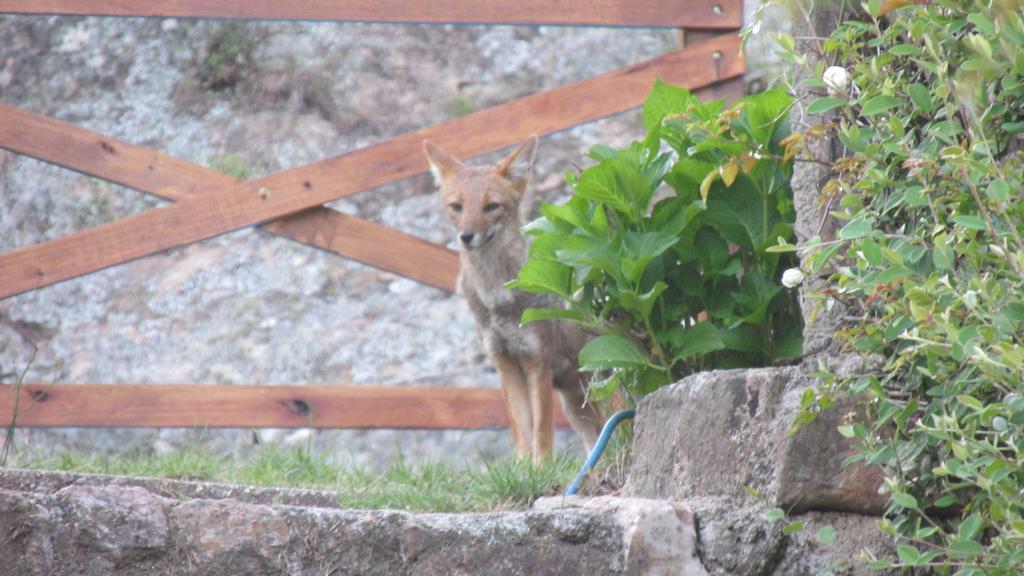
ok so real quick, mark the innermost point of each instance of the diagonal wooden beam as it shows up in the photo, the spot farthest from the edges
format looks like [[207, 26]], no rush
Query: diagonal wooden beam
[[720, 14], [256, 406], [168, 177], [291, 191]]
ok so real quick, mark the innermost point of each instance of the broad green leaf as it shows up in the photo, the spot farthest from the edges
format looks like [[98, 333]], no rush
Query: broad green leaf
[[663, 100], [647, 244], [535, 314], [908, 554], [765, 116], [543, 276], [942, 257], [856, 228], [824, 104], [572, 212], [982, 23], [774, 515], [611, 351], [879, 104], [686, 176], [921, 96], [999, 191], [965, 548], [742, 215], [970, 221], [673, 215], [969, 527], [642, 303], [743, 338], [904, 50], [905, 500], [970, 401], [618, 184], [701, 338]]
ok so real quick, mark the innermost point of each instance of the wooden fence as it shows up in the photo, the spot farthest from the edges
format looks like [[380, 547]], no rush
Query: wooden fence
[[289, 203]]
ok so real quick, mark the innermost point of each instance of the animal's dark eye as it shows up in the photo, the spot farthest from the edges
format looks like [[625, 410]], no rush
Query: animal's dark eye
[[455, 206], [491, 206]]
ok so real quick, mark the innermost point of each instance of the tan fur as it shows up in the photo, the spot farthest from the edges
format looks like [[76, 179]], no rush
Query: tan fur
[[483, 202]]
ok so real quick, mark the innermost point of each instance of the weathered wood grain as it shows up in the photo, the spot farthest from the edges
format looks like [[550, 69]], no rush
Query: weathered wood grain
[[168, 177], [235, 406], [291, 191], [718, 14]]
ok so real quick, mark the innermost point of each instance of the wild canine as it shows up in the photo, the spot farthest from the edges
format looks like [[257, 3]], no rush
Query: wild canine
[[484, 203]]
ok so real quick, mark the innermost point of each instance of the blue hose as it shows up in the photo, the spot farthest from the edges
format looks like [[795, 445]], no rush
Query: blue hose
[[602, 440]]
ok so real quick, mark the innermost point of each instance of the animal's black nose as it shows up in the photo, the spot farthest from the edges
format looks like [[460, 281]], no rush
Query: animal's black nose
[[466, 237]]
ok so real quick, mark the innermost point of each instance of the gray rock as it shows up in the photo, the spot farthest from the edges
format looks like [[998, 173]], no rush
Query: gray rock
[[225, 536], [119, 525], [99, 526], [720, 442], [856, 535], [726, 434], [658, 537], [25, 543]]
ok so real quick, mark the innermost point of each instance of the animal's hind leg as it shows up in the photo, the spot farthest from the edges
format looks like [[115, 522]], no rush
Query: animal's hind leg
[[540, 382], [514, 388], [584, 416]]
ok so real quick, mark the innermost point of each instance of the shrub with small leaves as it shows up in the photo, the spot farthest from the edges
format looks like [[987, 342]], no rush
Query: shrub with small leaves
[[930, 260], [666, 250]]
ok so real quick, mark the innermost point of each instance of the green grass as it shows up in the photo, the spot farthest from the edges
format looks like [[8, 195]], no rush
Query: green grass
[[434, 486]]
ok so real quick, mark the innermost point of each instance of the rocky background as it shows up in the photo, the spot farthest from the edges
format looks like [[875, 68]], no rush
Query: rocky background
[[252, 98]]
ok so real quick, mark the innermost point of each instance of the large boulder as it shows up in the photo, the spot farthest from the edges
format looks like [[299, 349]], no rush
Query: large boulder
[[729, 433], [723, 442]]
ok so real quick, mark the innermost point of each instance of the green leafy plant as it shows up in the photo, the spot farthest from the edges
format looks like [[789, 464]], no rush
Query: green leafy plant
[[929, 261], [666, 250]]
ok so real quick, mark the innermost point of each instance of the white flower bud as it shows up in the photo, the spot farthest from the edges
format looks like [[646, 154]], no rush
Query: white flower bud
[[836, 78], [792, 278], [578, 294]]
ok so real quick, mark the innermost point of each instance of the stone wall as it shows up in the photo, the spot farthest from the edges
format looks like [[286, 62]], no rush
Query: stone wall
[[54, 524], [723, 442]]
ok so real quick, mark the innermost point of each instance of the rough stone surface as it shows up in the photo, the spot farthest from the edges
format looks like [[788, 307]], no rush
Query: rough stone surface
[[806, 555], [822, 316], [726, 433], [658, 537], [96, 529], [26, 546], [120, 525], [719, 441]]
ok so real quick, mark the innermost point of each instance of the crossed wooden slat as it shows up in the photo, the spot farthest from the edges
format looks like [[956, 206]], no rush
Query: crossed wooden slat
[[209, 204]]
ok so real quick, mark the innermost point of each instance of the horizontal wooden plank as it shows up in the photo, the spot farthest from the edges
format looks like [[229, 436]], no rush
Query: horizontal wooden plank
[[168, 177], [234, 406], [721, 14], [264, 199]]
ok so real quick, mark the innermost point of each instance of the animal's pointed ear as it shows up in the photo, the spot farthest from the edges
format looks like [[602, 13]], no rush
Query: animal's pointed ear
[[518, 166], [442, 164]]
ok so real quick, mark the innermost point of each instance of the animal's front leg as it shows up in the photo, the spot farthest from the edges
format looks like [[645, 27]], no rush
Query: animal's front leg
[[517, 400], [539, 381]]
